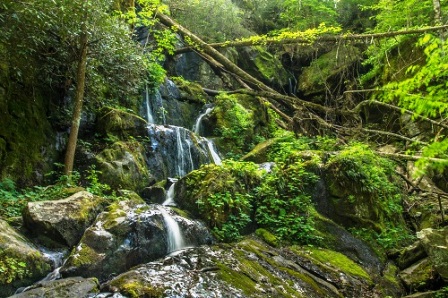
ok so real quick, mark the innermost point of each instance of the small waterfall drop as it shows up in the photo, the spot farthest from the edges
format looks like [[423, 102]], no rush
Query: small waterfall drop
[[169, 200], [180, 153], [213, 153], [197, 125], [149, 115], [175, 239]]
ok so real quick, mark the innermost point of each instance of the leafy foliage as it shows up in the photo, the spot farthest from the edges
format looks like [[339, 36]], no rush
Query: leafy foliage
[[307, 13], [284, 202], [425, 93], [213, 20]]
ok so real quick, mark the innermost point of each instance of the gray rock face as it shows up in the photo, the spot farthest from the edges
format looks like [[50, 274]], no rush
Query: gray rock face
[[127, 234], [63, 220], [69, 287], [20, 262]]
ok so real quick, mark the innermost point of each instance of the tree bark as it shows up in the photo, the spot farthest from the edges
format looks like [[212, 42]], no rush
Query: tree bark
[[437, 12], [79, 99]]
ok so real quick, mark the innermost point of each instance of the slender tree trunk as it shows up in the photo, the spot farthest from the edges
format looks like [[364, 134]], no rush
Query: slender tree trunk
[[437, 12], [79, 98]]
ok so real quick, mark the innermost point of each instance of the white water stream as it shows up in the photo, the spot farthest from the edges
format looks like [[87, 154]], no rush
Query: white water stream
[[175, 239]]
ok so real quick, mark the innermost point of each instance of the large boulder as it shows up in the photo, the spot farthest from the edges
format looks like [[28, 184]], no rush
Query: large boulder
[[123, 165], [249, 268], [63, 220], [69, 287], [127, 234], [20, 262]]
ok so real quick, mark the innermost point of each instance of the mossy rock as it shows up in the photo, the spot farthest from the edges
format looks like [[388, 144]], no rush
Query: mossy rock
[[363, 191], [190, 91], [267, 237], [21, 263], [123, 166], [27, 138], [63, 220], [120, 123], [338, 261], [263, 65], [419, 276], [327, 70], [228, 185], [68, 287], [259, 154], [241, 121]]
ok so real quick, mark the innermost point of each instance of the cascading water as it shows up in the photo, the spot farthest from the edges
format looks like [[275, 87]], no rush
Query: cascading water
[[149, 114], [175, 239], [213, 153], [197, 126], [169, 200], [174, 152]]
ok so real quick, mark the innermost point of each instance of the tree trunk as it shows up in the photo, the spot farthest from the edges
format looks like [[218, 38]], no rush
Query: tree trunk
[[437, 12], [79, 98]]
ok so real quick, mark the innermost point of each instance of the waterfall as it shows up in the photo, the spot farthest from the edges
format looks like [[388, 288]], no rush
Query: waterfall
[[197, 126], [180, 153], [213, 153], [175, 239], [149, 115], [169, 200]]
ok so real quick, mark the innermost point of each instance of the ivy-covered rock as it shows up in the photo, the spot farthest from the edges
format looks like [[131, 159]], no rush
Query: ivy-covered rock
[[20, 262], [63, 220], [68, 287], [241, 121], [365, 194], [123, 165]]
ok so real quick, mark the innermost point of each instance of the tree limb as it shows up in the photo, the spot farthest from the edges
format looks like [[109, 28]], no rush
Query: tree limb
[[322, 38]]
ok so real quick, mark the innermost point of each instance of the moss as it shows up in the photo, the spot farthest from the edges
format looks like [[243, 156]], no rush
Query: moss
[[111, 216], [123, 165], [190, 91], [83, 256], [267, 237], [335, 260], [326, 69], [136, 289]]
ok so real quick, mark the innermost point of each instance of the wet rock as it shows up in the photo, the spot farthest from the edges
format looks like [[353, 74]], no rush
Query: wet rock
[[63, 220], [245, 269], [69, 287], [175, 151], [20, 262], [127, 234]]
